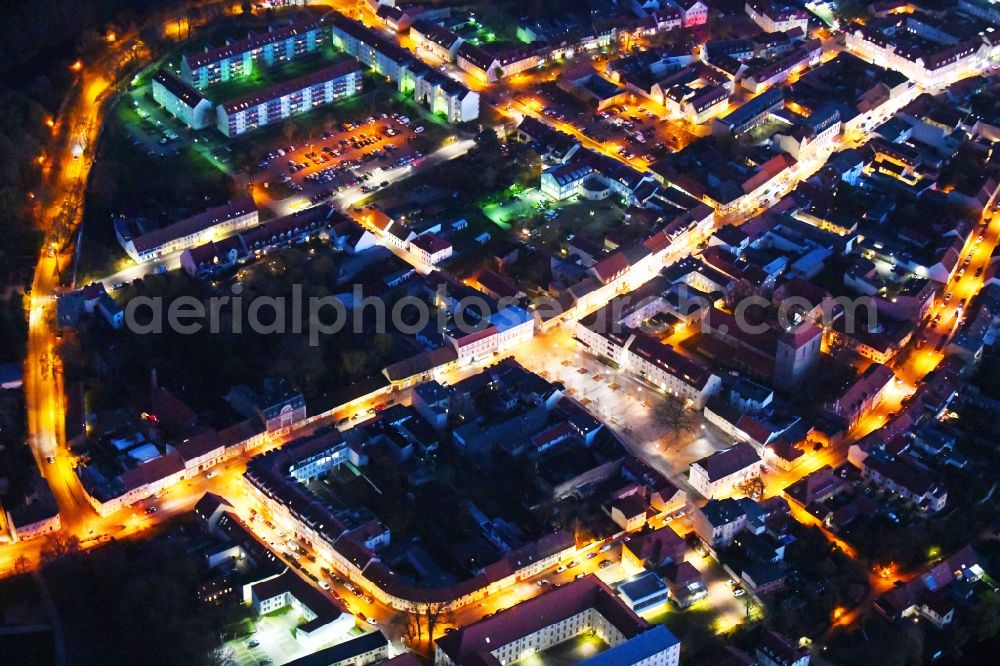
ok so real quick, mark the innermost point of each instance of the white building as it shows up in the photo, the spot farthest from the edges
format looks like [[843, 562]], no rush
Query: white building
[[431, 248], [325, 623], [301, 95], [439, 41], [559, 615], [719, 474], [938, 64], [428, 86], [514, 325], [209, 225], [777, 17], [181, 100], [644, 355], [719, 521]]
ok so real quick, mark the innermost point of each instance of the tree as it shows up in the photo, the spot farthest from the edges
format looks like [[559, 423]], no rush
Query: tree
[[21, 564], [432, 615], [985, 621], [289, 130], [752, 487], [676, 418], [58, 546]]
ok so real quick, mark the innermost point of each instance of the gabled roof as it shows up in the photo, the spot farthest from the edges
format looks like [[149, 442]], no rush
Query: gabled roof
[[721, 464], [178, 88], [318, 77], [251, 43], [533, 615], [239, 206], [152, 471]]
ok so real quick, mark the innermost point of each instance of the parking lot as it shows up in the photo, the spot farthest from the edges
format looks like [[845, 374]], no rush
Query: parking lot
[[271, 643], [349, 156], [636, 129]]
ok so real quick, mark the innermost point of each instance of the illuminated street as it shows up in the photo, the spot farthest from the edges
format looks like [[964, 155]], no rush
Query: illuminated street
[[532, 444]]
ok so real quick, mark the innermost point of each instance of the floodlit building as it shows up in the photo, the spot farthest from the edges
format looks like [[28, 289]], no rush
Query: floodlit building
[[181, 100], [559, 615], [214, 223], [777, 16], [440, 41], [237, 59], [719, 474], [301, 95], [325, 620], [431, 248], [428, 86]]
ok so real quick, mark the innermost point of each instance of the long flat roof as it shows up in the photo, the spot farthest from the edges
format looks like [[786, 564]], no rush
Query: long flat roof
[[178, 88], [254, 41], [204, 220], [288, 87], [528, 617]]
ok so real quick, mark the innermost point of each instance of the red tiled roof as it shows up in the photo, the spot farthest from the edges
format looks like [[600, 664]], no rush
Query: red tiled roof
[[476, 337], [723, 463], [202, 443], [610, 268], [768, 170], [658, 545], [152, 470], [239, 206], [532, 615], [431, 243]]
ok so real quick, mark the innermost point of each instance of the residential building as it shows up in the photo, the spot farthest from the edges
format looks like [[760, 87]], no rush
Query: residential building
[[629, 513], [750, 114], [236, 59], [776, 650], [643, 354], [36, 516], [218, 222], [585, 605], [693, 12], [719, 521], [181, 100], [721, 474], [776, 16], [431, 248], [439, 41], [921, 48], [907, 478], [325, 620], [655, 548], [862, 395], [428, 86], [757, 79], [291, 98]]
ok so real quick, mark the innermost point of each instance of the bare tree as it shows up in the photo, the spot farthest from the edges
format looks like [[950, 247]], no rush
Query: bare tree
[[752, 487], [57, 546], [432, 612], [676, 418]]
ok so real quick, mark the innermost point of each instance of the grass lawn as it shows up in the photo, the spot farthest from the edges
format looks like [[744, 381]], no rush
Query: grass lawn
[[515, 207], [127, 181]]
